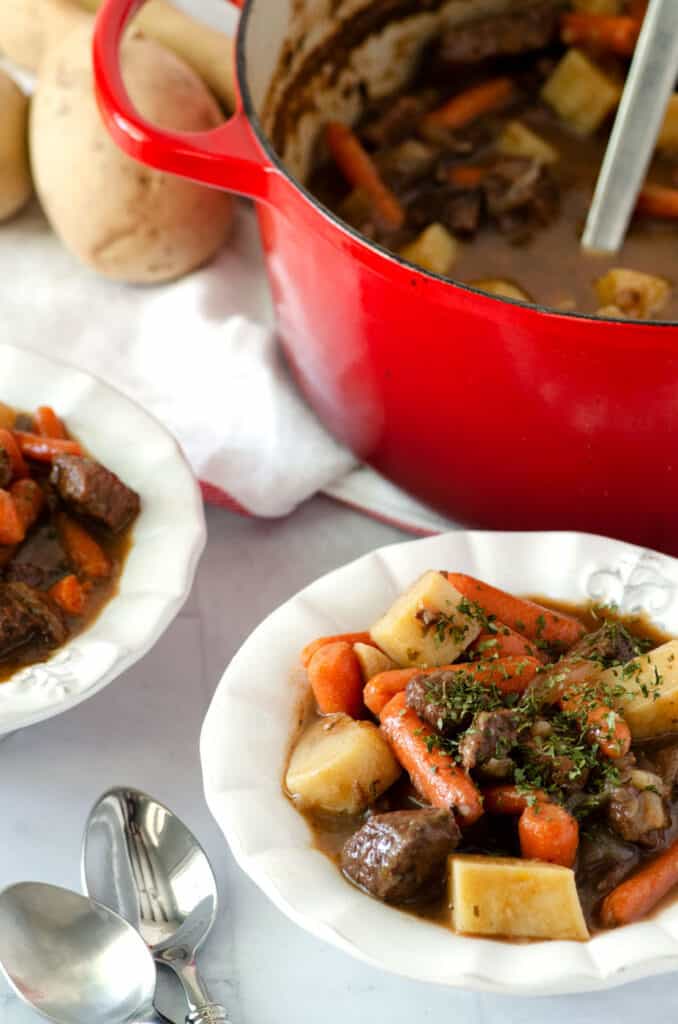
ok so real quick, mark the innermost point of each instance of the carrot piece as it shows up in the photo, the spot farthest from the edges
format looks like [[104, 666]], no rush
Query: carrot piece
[[466, 177], [86, 555], [505, 643], [471, 104], [642, 891], [434, 774], [44, 449], [658, 201], [360, 170], [29, 498], [526, 617], [381, 688], [19, 467], [336, 680], [548, 832], [69, 594], [605, 726], [49, 424], [12, 530], [613, 33], [349, 638], [510, 800]]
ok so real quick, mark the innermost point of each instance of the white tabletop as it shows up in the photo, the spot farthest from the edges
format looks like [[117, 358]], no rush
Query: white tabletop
[[143, 731]]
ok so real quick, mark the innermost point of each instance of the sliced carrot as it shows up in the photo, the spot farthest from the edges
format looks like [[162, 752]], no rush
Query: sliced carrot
[[336, 680], [44, 449], [510, 800], [658, 201], [434, 774], [69, 594], [85, 554], [505, 643], [526, 617], [48, 423], [548, 832], [12, 530], [612, 33], [29, 499], [635, 897], [19, 467], [359, 169], [467, 106], [466, 176], [349, 638]]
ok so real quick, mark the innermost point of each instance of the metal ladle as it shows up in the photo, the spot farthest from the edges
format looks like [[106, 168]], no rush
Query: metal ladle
[[649, 85], [73, 961], [139, 859]]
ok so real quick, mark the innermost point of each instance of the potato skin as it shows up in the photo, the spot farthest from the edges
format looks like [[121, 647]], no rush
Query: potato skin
[[125, 220], [15, 175]]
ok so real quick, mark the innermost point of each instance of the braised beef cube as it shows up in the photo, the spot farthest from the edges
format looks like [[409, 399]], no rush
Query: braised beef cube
[[638, 811], [5, 467], [92, 490], [612, 644], [400, 119], [603, 862], [400, 857], [520, 31], [520, 184], [491, 737], [40, 561], [448, 700], [404, 164], [462, 212], [666, 765], [27, 617]]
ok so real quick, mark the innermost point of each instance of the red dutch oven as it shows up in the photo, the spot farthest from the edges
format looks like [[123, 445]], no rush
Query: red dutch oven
[[499, 414]]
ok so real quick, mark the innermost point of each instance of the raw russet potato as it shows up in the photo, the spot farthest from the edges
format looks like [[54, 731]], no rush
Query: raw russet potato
[[408, 632], [15, 175], [651, 684], [340, 765], [127, 221], [513, 898]]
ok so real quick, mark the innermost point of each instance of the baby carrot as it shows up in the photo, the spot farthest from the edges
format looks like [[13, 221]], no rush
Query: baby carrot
[[360, 170], [382, 687], [548, 832], [434, 774], [509, 799], [69, 594], [19, 467], [49, 424], [86, 556], [658, 201], [349, 638], [12, 530], [605, 726], [44, 449], [29, 499], [526, 617], [471, 104], [615, 34], [502, 644], [336, 680], [466, 176], [639, 894]]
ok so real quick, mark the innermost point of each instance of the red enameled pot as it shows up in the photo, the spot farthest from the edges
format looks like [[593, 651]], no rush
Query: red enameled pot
[[502, 415]]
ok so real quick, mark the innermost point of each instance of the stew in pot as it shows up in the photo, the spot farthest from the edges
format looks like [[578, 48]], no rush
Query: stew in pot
[[484, 168], [65, 526], [505, 766]]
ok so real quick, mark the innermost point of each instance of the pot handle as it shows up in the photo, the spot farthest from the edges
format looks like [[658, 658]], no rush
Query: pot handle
[[227, 157]]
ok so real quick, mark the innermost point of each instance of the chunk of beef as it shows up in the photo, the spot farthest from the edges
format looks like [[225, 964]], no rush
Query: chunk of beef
[[519, 31], [491, 737], [400, 857], [604, 861], [27, 617], [92, 490], [612, 644], [399, 120], [637, 810], [447, 700], [521, 195], [402, 165], [666, 765], [5, 467], [541, 749], [40, 561], [460, 210]]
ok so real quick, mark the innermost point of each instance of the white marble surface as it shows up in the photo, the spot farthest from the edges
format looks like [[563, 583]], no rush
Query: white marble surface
[[143, 730]]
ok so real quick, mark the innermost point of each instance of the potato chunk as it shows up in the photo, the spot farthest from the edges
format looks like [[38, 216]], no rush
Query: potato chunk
[[372, 661], [514, 898], [633, 293], [497, 286], [435, 249], [650, 706], [580, 93], [340, 766], [425, 626], [519, 140]]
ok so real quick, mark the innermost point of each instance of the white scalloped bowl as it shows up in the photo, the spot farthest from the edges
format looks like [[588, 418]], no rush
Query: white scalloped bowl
[[168, 536], [253, 716]]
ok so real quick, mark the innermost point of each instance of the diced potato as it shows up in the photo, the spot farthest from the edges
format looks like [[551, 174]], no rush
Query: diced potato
[[650, 706], [519, 140], [500, 287], [372, 661], [580, 93], [424, 626], [633, 293], [514, 898], [341, 766], [598, 6], [435, 250], [668, 137]]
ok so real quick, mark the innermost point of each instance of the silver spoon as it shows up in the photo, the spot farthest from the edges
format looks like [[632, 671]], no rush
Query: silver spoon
[[73, 961], [649, 85], [139, 859]]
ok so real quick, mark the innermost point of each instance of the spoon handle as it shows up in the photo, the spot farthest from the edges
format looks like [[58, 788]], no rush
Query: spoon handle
[[211, 1013], [201, 1008]]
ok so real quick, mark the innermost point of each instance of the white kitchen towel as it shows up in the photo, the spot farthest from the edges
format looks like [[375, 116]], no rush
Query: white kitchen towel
[[201, 355]]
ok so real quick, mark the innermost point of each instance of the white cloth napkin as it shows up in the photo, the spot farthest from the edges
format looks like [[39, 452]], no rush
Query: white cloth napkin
[[201, 355]]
